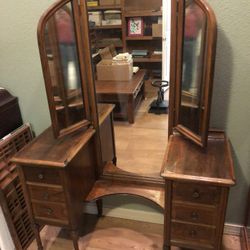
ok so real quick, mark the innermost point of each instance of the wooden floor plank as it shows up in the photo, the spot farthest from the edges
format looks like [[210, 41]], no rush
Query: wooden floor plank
[[109, 233]]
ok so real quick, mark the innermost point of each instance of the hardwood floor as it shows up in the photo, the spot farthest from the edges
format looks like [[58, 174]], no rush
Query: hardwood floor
[[109, 233], [141, 146]]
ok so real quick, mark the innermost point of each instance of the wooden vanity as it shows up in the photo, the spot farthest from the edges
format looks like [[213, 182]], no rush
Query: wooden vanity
[[75, 160], [197, 185]]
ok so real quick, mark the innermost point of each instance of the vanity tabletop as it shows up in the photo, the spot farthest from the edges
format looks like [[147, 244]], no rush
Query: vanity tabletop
[[45, 150], [188, 162]]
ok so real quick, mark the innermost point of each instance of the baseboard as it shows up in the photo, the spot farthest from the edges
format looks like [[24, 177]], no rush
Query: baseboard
[[147, 216], [232, 229]]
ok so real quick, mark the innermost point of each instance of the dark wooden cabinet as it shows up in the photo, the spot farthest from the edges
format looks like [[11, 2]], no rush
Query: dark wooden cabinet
[[10, 115]]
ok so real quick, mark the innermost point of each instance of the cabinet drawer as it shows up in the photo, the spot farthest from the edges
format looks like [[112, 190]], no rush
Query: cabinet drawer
[[42, 175], [138, 89], [50, 212], [42, 193], [196, 193], [194, 214], [192, 233]]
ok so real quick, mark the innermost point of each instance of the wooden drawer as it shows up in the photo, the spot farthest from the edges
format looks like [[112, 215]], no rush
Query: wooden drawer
[[138, 89], [50, 212], [42, 175], [196, 193], [192, 233], [42, 193], [194, 213]]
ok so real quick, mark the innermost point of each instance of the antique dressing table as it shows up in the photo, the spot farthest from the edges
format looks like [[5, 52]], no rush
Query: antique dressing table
[[75, 160]]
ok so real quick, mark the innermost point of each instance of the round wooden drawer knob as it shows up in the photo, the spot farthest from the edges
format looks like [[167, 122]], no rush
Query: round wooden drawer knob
[[193, 233], [49, 211], [40, 176], [194, 216], [45, 196], [196, 195]]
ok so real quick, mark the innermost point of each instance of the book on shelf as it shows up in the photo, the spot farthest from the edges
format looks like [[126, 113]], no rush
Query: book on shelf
[[140, 53]]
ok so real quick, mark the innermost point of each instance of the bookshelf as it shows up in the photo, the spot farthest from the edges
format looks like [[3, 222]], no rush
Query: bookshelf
[[149, 12]]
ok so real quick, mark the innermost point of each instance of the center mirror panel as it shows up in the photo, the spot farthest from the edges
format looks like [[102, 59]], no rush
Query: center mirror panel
[[141, 112], [63, 79]]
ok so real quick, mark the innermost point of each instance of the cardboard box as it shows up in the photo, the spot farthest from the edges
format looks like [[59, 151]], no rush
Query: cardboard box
[[96, 17], [106, 2], [156, 30], [106, 71]]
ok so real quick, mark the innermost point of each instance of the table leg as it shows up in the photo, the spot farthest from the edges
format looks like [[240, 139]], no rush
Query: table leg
[[37, 236], [74, 236], [99, 207], [130, 110]]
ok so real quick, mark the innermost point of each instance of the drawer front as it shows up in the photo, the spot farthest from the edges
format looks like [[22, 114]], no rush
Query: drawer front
[[50, 212], [42, 175], [194, 214], [192, 233], [196, 193], [138, 89], [42, 193]]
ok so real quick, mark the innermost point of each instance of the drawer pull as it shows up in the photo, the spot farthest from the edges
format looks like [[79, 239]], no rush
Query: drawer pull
[[40, 176], [196, 195], [192, 233], [194, 216], [45, 196], [49, 211]]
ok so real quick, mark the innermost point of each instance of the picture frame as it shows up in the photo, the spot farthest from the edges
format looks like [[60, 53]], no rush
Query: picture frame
[[135, 26]]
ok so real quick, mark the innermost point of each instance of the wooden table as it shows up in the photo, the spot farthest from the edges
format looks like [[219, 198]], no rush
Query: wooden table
[[126, 95]]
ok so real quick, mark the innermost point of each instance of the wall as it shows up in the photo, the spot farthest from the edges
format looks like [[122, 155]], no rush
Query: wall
[[231, 106], [20, 72], [20, 68]]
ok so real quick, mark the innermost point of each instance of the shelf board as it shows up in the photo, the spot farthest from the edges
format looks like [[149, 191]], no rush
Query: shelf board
[[116, 46], [105, 27], [131, 38], [152, 59], [142, 13], [105, 7]]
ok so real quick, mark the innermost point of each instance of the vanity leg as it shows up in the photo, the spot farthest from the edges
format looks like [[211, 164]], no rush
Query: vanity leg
[[37, 236], [114, 161], [99, 207], [74, 236], [166, 247]]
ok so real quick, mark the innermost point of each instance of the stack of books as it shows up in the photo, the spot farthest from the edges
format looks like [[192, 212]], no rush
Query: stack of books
[[140, 53], [92, 3]]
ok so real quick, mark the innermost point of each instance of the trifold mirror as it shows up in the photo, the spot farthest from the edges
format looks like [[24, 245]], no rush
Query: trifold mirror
[[73, 94], [63, 68], [192, 66]]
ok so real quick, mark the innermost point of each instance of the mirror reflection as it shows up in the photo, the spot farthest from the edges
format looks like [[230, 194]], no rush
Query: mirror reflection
[[140, 113], [64, 67], [192, 77]]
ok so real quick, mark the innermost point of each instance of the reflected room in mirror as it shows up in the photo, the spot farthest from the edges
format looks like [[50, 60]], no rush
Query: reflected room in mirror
[[58, 48], [141, 135]]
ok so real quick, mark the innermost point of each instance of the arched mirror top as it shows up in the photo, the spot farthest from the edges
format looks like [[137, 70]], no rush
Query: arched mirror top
[[192, 67], [65, 80]]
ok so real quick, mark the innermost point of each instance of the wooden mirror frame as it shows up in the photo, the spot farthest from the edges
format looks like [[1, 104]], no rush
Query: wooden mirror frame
[[46, 71], [177, 20]]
